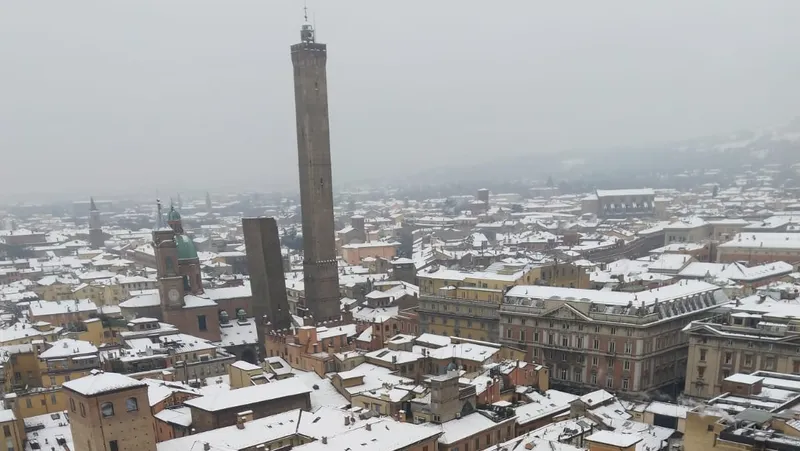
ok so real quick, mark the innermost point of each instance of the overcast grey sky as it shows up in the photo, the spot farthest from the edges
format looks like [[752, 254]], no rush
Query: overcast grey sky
[[104, 97]]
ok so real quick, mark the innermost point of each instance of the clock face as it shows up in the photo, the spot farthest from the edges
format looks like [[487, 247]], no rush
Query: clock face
[[173, 295]]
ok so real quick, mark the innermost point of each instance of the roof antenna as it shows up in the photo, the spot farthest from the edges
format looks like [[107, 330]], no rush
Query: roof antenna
[[305, 12]]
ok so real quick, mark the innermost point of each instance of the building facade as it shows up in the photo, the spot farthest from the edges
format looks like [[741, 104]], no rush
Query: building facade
[[628, 342], [110, 412], [751, 336]]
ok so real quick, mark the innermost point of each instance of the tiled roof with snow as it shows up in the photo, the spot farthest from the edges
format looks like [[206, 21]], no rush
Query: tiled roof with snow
[[100, 382]]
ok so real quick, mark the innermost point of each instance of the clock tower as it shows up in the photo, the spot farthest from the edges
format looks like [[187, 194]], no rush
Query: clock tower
[[171, 285]]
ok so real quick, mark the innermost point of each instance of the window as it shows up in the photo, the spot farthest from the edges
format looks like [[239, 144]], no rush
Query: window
[[201, 322], [112, 446], [613, 331], [628, 347], [748, 359], [565, 341], [578, 376], [701, 371], [579, 344], [710, 428], [71, 404], [624, 384], [551, 339], [626, 365], [609, 382], [594, 379], [28, 403], [596, 344], [536, 337], [703, 355], [53, 398], [728, 358], [612, 346], [769, 363], [564, 373], [83, 411], [52, 380], [597, 329], [131, 405], [594, 361], [508, 333], [7, 431], [107, 409], [521, 335], [726, 374]]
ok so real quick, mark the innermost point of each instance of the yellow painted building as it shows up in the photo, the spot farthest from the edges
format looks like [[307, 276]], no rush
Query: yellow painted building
[[465, 303], [67, 359], [56, 291], [38, 401], [113, 290], [28, 333], [243, 374], [13, 431], [20, 364], [98, 334]]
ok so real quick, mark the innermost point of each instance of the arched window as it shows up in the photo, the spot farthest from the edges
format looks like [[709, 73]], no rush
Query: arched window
[[131, 405], [71, 404], [107, 409]]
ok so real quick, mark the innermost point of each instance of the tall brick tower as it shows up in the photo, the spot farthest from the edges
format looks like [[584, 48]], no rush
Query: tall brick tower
[[321, 275], [96, 238]]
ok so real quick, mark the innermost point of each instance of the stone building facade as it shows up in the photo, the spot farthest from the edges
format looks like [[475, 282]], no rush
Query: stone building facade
[[627, 342]]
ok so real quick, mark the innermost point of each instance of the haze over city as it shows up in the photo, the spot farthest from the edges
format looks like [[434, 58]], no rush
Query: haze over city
[[422, 226], [197, 95]]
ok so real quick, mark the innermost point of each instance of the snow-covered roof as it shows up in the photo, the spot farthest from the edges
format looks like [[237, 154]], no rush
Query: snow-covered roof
[[466, 426], [662, 294], [100, 382], [616, 439], [223, 400], [68, 347], [181, 416], [42, 308], [625, 192]]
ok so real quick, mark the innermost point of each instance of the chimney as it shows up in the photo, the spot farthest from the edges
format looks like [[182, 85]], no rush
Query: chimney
[[324, 440], [206, 446], [402, 416], [347, 421], [243, 417], [369, 427]]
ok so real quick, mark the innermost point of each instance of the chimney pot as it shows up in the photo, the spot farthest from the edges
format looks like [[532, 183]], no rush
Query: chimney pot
[[369, 427]]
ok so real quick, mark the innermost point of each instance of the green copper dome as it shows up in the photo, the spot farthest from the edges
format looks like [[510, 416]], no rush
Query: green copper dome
[[173, 215], [186, 249]]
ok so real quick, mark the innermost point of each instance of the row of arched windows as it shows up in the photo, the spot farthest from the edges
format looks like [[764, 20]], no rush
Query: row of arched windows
[[107, 408]]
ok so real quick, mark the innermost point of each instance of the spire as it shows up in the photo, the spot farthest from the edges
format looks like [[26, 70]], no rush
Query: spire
[[92, 206], [159, 216]]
